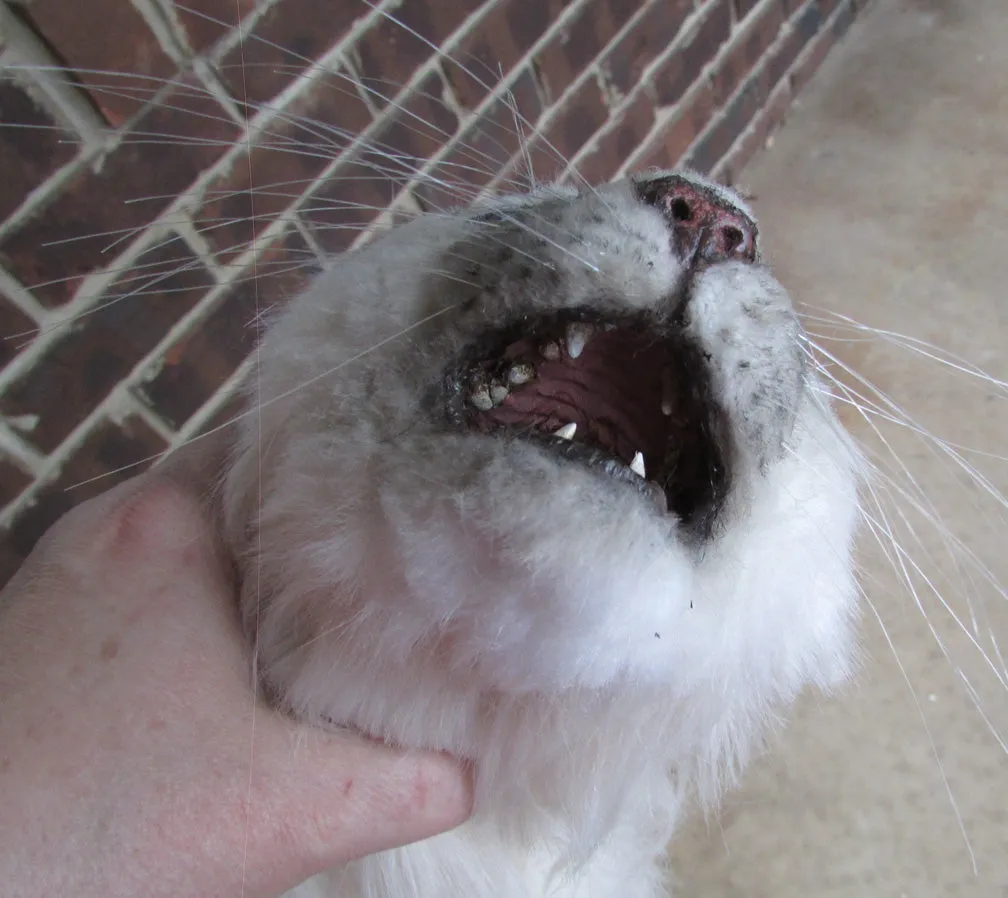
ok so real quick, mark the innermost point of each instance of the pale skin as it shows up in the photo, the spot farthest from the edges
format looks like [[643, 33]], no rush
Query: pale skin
[[134, 757]]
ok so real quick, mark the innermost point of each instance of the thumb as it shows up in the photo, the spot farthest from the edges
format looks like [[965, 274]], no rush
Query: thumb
[[328, 798]]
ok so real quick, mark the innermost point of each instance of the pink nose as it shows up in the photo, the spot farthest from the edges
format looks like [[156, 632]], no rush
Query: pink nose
[[704, 225]]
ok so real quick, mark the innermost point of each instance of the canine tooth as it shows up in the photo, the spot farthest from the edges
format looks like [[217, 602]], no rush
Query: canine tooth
[[637, 465], [550, 351], [666, 407], [567, 431], [577, 337], [498, 392], [520, 373]]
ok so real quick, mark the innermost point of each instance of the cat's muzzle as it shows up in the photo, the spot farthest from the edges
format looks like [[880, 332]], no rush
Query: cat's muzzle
[[629, 396]]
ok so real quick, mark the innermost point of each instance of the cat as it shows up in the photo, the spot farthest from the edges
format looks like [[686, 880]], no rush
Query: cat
[[402, 414], [585, 521]]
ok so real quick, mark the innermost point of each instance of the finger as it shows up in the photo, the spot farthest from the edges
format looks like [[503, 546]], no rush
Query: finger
[[331, 798], [70, 537], [192, 473]]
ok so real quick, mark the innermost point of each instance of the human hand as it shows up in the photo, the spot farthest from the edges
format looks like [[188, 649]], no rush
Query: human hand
[[134, 759]]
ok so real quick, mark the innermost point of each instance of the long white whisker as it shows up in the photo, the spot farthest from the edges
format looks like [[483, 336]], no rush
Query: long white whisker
[[927, 730], [928, 350]]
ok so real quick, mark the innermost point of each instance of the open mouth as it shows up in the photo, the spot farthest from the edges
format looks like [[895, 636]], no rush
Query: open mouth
[[625, 396]]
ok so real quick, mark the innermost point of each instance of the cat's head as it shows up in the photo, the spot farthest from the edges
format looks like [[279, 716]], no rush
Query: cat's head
[[560, 440]]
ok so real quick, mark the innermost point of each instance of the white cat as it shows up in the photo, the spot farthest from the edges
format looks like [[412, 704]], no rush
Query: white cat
[[585, 520]]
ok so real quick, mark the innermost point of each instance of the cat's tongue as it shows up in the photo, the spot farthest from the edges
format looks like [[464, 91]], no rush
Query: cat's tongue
[[611, 388]]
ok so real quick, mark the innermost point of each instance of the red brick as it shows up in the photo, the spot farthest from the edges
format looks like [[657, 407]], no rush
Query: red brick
[[821, 48], [749, 49], [648, 39], [418, 128], [621, 11], [805, 25], [13, 479], [497, 44], [727, 127], [616, 146], [763, 125], [195, 367], [16, 330], [483, 149], [32, 146], [126, 449], [782, 56], [85, 365], [745, 107], [286, 41], [85, 227], [106, 43], [570, 52], [401, 42], [681, 70], [349, 201], [810, 18], [207, 21], [554, 145], [292, 153], [584, 113], [393, 156], [667, 149]]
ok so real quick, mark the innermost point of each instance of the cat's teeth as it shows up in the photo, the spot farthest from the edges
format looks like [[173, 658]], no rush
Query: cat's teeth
[[637, 465], [577, 337], [480, 397], [520, 373], [567, 431], [666, 407], [550, 351], [498, 392]]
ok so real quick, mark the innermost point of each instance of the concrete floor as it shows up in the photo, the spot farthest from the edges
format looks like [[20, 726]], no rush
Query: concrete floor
[[885, 198]]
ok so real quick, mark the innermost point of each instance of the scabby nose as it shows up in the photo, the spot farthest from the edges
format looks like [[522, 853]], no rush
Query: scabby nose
[[705, 226]]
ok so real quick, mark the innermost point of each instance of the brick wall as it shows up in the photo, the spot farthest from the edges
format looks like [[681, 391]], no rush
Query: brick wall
[[171, 169]]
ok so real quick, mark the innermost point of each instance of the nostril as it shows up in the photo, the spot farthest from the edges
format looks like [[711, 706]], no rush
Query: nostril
[[681, 209], [707, 225], [733, 239]]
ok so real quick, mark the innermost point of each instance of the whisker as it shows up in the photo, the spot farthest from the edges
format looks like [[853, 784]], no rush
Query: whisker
[[927, 730], [928, 350], [280, 397], [440, 53]]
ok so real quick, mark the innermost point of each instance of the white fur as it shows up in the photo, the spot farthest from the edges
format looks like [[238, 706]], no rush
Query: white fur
[[454, 591]]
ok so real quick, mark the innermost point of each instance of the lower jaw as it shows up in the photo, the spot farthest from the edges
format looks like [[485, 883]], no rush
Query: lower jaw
[[599, 460]]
